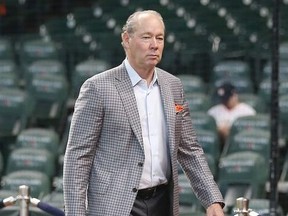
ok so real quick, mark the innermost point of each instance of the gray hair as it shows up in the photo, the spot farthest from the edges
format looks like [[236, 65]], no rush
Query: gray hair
[[130, 24]]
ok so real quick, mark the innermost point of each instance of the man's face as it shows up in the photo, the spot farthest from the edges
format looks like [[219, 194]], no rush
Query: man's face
[[146, 44]]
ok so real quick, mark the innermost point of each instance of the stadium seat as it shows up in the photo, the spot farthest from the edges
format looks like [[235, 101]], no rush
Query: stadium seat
[[198, 102], [192, 84], [50, 93], [201, 120], [46, 66], [6, 49], [231, 69], [39, 138], [1, 164], [9, 74], [283, 107], [258, 121], [209, 140], [283, 70], [253, 100], [39, 49], [32, 159], [241, 174], [265, 90], [38, 182], [256, 140], [8, 80], [16, 107]]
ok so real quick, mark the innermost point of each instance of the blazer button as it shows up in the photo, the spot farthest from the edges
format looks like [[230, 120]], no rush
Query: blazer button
[[134, 190], [140, 164]]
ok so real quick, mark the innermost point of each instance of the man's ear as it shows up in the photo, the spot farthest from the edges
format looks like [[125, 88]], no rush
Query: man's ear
[[125, 39]]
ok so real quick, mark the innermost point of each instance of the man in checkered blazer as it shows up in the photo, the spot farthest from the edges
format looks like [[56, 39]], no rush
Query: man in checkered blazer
[[130, 127]]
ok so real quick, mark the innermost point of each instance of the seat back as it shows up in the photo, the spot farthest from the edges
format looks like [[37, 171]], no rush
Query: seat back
[[209, 140], [40, 160], [258, 121], [16, 107], [38, 182], [198, 101], [50, 93], [256, 140], [6, 49], [202, 121], [243, 169], [36, 49], [39, 138], [192, 84], [45, 66]]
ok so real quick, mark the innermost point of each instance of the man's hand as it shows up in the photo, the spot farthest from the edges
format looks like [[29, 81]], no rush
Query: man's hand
[[215, 210]]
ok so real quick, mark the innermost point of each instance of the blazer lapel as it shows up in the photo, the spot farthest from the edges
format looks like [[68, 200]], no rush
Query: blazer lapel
[[126, 93]]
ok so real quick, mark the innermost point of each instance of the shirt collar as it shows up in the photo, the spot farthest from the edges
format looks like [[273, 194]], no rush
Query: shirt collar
[[134, 76]]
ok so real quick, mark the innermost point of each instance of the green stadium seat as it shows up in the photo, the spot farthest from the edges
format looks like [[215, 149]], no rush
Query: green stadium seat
[[253, 100], [231, 69], [46, 66], [198, 102], [192, 84], [283, 107], [9, 74], [258, 121], [39, 138], [265, 90], [202, 121], [8, 80], [32, 159], [241, 174], [209, 140], [283, 51], [38, 182], [1, 164], [283, 70], [50, 93], [8, 66], [254, 140], [16, 107], [6, 49], [39, 49]]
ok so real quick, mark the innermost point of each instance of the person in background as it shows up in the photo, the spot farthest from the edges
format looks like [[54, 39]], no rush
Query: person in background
[[130, 127], [228, 109]]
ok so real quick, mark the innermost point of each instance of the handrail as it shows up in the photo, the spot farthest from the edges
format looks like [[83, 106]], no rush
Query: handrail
[[25, 200]]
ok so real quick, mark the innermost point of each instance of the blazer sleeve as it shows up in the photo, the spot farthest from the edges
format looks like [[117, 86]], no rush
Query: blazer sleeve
[[193, 161], [84, 131]]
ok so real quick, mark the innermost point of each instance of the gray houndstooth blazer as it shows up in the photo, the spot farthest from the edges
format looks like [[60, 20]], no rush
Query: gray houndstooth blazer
[[104, 155]]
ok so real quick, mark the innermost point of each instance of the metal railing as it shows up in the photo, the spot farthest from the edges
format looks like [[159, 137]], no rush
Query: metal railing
[[24, 199]]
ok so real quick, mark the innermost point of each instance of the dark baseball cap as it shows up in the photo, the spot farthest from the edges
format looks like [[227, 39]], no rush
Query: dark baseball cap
[[225, 91]]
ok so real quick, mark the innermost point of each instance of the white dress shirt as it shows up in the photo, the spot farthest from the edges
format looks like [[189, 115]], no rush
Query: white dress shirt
[[156, 168], [226, 117]]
